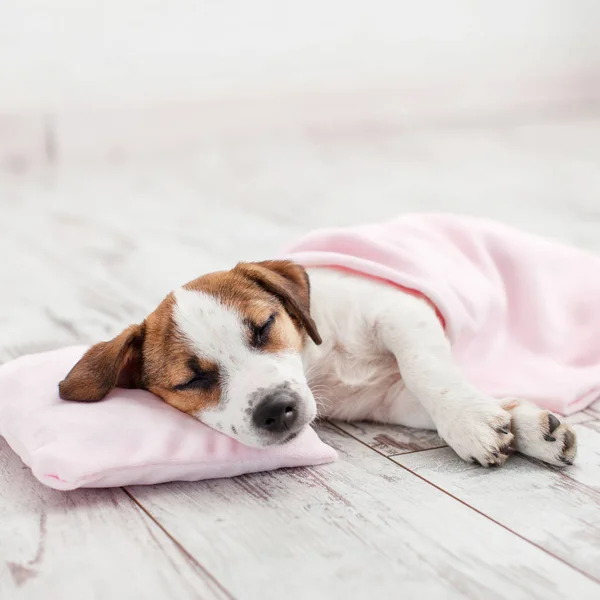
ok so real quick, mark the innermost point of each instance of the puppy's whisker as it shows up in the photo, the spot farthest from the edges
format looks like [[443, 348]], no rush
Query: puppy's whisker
[[322, 403], [319, 386], [311, 370], [316, 389]]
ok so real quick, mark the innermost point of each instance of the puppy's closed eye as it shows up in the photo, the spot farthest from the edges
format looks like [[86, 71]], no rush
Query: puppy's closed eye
[[260, 333], [200, 380]]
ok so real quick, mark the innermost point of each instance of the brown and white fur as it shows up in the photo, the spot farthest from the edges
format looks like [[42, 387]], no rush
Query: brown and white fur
[[257, 351]]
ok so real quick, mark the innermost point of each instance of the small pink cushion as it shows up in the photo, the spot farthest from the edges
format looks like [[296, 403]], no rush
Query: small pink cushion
[[132, 437]]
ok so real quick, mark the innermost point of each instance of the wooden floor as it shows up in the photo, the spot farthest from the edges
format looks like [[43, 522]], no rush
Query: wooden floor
[[88, 250]]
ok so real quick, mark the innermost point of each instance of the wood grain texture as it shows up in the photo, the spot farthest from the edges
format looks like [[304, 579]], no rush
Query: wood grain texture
[[594, 410], [584, 416], [352, 529], [392, 439], [557, 509], [87, 544]]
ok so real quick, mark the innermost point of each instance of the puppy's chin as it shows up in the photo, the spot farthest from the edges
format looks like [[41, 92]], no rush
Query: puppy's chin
[[270, 441]]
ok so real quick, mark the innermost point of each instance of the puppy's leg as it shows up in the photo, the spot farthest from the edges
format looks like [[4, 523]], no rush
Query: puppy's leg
[[473, 424], [401, 407], [540, 434]]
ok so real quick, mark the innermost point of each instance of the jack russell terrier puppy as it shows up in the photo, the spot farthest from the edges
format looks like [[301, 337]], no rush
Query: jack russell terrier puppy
[[259, 351]]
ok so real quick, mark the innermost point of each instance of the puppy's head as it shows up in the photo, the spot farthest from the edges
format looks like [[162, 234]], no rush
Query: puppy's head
[[225, 348]]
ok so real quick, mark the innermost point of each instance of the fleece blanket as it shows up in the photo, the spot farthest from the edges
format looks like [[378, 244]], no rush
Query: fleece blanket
[[522, 313]]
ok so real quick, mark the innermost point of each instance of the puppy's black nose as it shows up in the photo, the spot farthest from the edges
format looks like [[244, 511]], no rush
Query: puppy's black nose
[[276, 412]]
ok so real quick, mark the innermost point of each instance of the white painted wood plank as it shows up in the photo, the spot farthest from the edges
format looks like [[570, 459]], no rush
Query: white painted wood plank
[[87, 544], [594, 409], [587, 471], [559, 510], [583, 416], [359, 528], [88, 268], [392, 439]]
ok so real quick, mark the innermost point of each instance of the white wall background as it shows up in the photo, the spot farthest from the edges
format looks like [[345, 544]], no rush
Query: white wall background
[[75, 52], [256, 61]]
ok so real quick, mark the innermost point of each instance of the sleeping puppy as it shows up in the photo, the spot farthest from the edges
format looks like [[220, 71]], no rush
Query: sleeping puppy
[[258, 351]]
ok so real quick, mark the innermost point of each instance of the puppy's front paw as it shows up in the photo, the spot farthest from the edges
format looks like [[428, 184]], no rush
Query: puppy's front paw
[[541, 435], [479, 432]]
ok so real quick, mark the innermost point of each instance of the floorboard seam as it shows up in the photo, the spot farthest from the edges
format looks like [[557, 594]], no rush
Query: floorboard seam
[[464, 503], [181, 547]]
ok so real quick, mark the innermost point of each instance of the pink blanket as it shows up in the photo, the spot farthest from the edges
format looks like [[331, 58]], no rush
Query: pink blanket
[[522, 313]]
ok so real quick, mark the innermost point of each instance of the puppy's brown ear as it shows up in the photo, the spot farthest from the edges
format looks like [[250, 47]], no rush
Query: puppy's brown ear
[[105, 366], [289, 282]]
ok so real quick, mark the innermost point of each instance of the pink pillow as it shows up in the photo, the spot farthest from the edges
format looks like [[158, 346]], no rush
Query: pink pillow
[[130, 438]]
